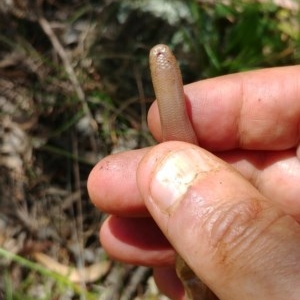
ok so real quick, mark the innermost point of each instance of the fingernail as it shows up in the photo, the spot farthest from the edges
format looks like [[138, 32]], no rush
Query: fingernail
[[175, 173]]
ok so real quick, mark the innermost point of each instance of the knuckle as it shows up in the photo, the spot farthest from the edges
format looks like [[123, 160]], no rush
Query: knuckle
[[228, 223], [234, 229]]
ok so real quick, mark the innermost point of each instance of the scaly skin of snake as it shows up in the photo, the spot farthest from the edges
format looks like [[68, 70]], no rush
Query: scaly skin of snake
[[168, 88], [176, 126]]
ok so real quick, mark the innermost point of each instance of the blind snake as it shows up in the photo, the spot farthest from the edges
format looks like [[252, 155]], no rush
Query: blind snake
[[176, 125], [168, 88]]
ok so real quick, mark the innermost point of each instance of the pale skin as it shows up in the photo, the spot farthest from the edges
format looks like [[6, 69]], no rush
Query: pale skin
[[241, 234]]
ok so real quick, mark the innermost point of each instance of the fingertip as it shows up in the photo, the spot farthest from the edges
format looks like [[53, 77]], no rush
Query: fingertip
[[149, 163], [112, 184], [92, 181], [167, 171]]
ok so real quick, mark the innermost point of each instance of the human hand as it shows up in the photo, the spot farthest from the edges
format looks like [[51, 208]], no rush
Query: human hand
[[238, 237]]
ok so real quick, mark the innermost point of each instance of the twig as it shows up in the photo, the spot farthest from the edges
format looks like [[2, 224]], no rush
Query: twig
[[114, 283], [136, 280], [91, 273], [68, 67]]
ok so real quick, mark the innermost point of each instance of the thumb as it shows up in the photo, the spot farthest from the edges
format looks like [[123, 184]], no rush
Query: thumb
[[233, 238]]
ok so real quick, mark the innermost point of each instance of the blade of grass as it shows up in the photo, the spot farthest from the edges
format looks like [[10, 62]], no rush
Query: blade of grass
[[62, 280]]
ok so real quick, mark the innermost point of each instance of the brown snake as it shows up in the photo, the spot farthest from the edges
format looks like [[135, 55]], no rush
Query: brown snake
[[176, 126]]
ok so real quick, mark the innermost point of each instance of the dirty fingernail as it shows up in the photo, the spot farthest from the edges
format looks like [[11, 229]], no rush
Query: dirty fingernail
[[174, 174]]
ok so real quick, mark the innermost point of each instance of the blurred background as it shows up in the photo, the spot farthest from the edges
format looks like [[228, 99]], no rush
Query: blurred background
[[75, 87]]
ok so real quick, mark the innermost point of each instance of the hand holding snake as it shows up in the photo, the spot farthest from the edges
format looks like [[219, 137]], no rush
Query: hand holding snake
[[233, 216]]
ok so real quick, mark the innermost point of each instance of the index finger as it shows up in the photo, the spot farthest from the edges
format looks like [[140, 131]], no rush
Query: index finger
[[258, 110]]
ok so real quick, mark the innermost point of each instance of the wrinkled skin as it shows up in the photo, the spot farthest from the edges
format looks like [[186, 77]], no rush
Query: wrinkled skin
[[235, 221]]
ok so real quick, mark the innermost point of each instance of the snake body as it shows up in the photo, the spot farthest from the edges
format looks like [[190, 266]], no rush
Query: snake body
[[176, 125]]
